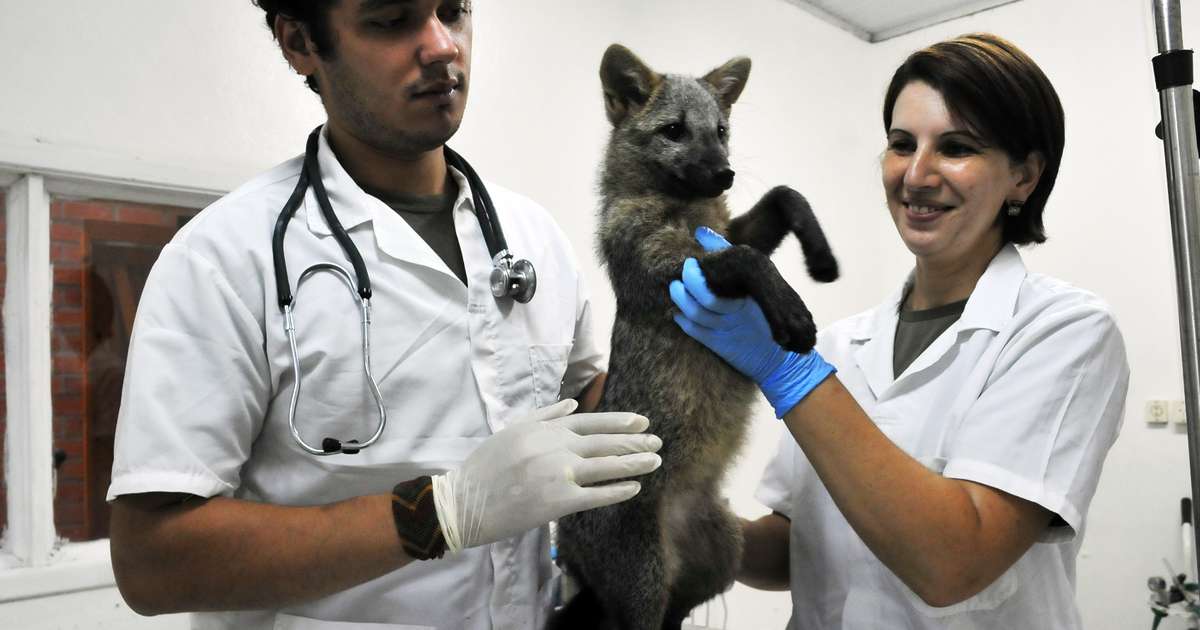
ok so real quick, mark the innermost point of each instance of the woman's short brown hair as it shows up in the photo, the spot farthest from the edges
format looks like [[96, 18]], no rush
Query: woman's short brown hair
[[995, 89]]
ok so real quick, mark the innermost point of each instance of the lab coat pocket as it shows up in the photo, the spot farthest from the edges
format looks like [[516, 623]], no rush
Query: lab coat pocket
[[548, 365], [284, 621], [878, 599], [989, 598]]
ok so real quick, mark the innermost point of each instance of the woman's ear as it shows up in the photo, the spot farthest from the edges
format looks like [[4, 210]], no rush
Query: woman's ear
[[1027, 174]]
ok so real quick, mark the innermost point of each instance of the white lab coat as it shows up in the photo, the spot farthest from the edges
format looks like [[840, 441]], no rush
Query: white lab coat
[[1025, 393], [205, 403]]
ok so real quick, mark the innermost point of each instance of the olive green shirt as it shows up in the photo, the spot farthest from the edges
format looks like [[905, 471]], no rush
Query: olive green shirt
[[432, 218], [916, 330]]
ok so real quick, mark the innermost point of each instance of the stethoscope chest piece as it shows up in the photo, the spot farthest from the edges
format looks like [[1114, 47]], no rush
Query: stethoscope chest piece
[[516, 280]]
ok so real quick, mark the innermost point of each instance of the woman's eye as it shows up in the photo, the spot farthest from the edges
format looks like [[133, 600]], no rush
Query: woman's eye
[[673, 131], [901, 146], [957, 149]]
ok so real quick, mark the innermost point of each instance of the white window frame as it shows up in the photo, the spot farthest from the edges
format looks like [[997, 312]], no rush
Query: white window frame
[[34, 562]]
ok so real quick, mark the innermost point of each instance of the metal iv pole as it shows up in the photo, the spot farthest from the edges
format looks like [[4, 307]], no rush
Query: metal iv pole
[[1173, 77]]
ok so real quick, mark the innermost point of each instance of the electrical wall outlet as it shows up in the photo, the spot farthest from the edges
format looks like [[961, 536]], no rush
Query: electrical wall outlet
[[1157, 412], [1178, 412]]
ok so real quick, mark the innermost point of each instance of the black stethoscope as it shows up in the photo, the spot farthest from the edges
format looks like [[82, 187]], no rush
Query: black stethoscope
[[509, 278]]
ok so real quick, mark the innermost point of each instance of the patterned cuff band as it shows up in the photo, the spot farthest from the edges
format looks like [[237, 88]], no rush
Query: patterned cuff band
[[417, 520]]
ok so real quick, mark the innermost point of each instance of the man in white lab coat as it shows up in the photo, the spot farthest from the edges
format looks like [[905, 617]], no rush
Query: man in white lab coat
[[440, 524]]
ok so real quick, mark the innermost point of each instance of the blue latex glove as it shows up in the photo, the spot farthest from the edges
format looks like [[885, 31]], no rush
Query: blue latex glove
[[737, 331]]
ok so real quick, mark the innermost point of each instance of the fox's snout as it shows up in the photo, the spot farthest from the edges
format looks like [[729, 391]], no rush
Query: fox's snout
[[724, 179], [707, 180]]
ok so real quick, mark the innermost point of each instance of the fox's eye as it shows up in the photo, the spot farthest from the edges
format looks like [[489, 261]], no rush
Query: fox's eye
[[673, 131], [722, 131]]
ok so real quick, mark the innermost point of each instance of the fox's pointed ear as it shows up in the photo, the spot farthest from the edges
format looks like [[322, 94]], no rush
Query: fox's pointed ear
[[730, 79], [628, 83]]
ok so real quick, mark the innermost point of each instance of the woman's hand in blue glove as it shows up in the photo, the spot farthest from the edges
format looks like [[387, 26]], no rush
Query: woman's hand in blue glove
[[737, 331]]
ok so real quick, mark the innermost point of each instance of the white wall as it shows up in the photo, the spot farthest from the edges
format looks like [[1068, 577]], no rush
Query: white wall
[[195, 93]]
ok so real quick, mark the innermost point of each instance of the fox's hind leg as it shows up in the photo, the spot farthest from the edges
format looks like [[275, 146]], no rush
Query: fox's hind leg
[[617, 552], [780, 211], [582, 612], [707, 541]]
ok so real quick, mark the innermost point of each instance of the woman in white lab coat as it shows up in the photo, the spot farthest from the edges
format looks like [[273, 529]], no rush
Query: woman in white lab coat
[[941, 478]]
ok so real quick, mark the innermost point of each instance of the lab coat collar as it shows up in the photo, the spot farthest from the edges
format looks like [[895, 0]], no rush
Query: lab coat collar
[[992, 305], [994, 301], [354, 207]]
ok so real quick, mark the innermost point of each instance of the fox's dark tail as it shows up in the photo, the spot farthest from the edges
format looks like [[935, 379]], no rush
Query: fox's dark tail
[[780, 211], [582, 612]]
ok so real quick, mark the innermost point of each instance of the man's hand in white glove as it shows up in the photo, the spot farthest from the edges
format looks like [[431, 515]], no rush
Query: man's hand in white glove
[[541, 468]]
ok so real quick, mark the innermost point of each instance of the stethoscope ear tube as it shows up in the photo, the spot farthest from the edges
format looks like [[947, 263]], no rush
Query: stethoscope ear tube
[[492, 234], [335, 226], [283, 289], [517, 280]]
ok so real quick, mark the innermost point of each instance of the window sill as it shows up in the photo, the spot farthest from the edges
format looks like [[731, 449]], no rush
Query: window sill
[[73, 567]]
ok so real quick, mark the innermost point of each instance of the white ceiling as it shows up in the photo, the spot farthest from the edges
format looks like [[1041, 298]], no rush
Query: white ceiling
[[875, 21]]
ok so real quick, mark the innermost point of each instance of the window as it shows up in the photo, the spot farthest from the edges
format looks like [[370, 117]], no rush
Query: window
[[101, 252], [76, 251]]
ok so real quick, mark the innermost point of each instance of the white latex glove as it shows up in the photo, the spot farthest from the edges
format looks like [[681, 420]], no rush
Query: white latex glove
[[538, 469]]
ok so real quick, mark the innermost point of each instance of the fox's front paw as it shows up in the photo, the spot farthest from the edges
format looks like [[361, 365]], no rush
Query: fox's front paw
[[791, 323], [741, 271]]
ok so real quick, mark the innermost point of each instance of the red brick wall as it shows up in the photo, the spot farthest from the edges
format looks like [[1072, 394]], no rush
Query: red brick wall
[[67, 244], [66, 347]]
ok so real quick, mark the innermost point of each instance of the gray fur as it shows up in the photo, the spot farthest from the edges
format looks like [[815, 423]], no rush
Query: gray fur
[[650, 560]]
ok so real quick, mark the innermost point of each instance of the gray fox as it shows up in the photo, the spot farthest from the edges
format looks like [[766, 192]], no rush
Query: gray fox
[[645, 563]]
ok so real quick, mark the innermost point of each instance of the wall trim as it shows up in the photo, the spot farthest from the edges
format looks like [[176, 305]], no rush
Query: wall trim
[[70, 170], [76, 567], [75, 185]]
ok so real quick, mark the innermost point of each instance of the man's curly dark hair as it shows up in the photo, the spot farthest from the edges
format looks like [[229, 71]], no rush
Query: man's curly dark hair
[[314, 14]]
